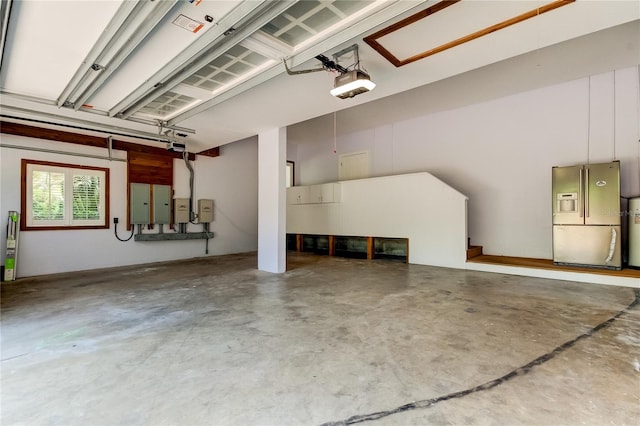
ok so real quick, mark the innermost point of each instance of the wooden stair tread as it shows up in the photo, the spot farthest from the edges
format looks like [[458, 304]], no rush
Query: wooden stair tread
[[474, 251], [526, 262]]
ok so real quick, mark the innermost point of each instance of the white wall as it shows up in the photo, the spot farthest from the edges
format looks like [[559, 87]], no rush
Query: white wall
[[498, 152], [272, 246], [230, 179]]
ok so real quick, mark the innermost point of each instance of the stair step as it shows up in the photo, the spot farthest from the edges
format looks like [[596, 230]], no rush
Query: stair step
[[474, 251]]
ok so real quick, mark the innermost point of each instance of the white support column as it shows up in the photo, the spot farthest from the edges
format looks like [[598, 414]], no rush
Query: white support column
[[272, 208]]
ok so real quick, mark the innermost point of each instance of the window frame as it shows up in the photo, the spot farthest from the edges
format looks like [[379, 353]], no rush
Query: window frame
[[26, 192], [290, 173]]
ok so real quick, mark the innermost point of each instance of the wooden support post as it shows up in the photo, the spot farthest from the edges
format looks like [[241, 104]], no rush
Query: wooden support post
[[298, 242], [332, 246], [370, 248]]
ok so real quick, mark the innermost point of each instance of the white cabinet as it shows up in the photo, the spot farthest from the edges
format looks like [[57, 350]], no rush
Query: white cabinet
[[321, 193], [325, 193], [298, 195], [314, 194], [336, 194]]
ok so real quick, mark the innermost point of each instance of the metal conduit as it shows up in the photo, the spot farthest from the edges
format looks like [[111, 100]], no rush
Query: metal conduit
[[42, 101], [93, 127], [55, 151]]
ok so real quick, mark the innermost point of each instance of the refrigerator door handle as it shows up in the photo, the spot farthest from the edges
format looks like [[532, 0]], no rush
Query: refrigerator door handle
[[580, 195], [586, 192], [612, 245]]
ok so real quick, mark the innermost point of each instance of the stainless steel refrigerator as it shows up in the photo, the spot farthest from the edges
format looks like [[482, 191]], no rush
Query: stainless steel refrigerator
[[586, 215]]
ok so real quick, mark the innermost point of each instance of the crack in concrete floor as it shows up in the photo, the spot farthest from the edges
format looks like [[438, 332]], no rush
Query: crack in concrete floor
[[520, 371]]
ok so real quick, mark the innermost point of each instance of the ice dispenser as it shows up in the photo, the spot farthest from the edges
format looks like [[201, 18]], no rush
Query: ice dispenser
[[567, 202]]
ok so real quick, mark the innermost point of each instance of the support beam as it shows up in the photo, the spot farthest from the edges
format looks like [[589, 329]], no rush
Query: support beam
[[370, 248], [272, 247], [299, 242]]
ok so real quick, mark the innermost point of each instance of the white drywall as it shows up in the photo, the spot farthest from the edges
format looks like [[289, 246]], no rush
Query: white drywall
[[498, 152], [420, 207], [230, 180], [272, 249]]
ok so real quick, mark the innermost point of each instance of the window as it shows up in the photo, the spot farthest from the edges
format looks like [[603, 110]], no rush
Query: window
[[67, 196]]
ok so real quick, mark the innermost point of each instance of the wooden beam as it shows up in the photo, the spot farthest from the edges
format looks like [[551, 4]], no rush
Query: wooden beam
[[213, 152], [51, 134], [20, 129], [370, 248], [407, 252], [299, 242]]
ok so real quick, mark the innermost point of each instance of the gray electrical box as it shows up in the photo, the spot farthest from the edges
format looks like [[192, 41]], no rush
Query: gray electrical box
[[139, 203], [181, 210], [205, 211], [161, 204]]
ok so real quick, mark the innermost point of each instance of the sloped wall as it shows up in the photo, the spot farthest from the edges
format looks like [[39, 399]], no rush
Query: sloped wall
[[420, 207]]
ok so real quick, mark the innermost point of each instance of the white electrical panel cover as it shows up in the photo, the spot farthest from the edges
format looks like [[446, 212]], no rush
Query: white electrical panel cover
[[205, 211], [181, 210]]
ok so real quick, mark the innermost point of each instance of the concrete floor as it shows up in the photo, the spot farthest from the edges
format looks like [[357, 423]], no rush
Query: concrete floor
[[215, 342]]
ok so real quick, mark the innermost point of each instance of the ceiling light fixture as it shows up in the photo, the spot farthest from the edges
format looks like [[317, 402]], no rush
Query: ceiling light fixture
[[349, 82]]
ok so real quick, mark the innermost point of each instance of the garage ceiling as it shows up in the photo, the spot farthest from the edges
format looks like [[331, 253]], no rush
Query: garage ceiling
[[213, 69]]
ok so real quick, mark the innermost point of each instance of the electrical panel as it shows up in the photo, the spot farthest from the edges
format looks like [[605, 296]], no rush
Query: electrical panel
[[161, 204], [205, 211], [139, 203], [181, 210]]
